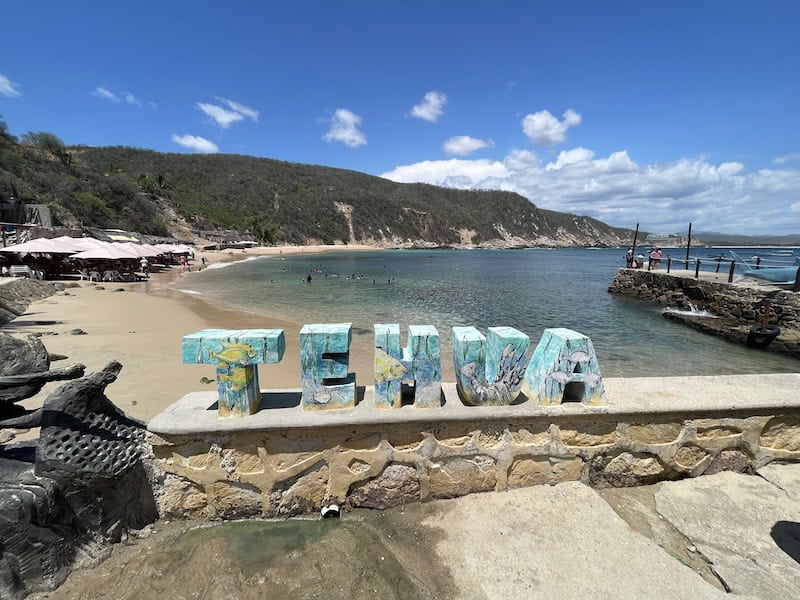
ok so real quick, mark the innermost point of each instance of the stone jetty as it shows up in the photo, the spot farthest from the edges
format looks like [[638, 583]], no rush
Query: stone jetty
[[736, 307]]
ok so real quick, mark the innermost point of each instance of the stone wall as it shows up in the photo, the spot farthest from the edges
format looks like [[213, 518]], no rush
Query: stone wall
[[736, 306], [290, 471]]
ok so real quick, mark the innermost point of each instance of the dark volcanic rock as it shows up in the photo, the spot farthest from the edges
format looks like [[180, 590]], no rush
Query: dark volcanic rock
[[21, 355], [81, 486]]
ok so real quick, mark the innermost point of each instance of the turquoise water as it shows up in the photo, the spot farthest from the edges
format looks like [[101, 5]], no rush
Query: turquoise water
[[527, 289]]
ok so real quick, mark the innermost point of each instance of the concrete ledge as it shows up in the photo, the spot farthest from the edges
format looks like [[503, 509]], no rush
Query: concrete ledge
[[196, 412]]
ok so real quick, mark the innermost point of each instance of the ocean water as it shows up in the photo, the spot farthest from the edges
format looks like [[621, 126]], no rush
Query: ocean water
[[529, 289]]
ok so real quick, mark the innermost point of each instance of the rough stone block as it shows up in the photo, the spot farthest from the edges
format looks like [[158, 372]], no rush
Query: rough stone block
[[324, 365], [460, 476], [564, 368], [732, 459], [688, 457], [580, 434], [656, 433], [544, 471], [397, 484], [303, 494], [782, 433], [235, 353], [489, 370]]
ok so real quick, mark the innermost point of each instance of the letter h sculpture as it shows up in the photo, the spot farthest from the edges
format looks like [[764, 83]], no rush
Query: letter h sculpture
[[419, 362], [236, 354]]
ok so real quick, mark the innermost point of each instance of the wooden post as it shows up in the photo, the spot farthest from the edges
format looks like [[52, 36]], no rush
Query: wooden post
[[697, 269], [719, 260], [669, 263], [635, 237], [688, 244], [730, 273], [797, 281]]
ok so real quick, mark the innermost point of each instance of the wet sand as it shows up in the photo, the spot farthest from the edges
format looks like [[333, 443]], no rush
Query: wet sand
[[142, 327]]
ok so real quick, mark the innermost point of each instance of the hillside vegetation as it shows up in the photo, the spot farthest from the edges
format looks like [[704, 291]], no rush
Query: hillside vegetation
[[279, 202]]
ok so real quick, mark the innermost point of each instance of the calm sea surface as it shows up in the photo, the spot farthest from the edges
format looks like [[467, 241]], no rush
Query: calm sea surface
[[527, 289]]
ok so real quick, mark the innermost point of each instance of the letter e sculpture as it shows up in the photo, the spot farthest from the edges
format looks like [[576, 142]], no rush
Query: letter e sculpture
[[324, 362]]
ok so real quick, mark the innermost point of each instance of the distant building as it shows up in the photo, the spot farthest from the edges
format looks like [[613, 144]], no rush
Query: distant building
[[22, 213], [665, 240]]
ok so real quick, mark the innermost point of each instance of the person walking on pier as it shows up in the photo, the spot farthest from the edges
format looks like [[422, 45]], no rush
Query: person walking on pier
[[655, 258]]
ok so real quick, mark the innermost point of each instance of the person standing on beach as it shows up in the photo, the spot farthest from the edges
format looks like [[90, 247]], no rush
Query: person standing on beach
[[145, 264]]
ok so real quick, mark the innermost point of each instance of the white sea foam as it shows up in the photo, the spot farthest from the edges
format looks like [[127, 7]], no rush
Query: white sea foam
[[222, 265], [692, 312], [193, 292]]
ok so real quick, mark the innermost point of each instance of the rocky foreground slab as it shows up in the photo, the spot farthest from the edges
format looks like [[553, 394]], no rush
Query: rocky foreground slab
[[719, 536]]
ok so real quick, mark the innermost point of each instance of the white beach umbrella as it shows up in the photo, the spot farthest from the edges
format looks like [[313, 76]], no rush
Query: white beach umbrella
[[39, 246], [74, 243], [138, 249], [106, 252], [153, 250]]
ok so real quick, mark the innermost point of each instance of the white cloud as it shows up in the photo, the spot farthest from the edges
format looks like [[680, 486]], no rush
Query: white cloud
[[570, 157], [464, 145], [344, 128], [543, 129], [8, 88], [662, 197], [786, 158], [219, 115], [131, 99], [196, 143], [106, 94], [431, 107], [240, 108], [224, 117], [730, 168]]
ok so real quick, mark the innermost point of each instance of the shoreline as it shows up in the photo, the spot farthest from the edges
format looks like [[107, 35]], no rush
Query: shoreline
[[142, 324]]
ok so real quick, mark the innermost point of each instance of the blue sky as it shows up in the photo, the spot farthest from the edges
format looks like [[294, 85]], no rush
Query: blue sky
[[658, 113]]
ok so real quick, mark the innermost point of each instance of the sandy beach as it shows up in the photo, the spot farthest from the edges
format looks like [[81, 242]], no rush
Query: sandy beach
[[141, 325]]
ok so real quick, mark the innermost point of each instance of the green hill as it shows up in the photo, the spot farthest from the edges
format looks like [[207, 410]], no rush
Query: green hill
[[278, 202]]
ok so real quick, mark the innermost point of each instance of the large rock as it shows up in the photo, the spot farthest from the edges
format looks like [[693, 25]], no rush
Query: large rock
[[15, 296], [18, 356], [81, 485], [548, 542], [736, 521]]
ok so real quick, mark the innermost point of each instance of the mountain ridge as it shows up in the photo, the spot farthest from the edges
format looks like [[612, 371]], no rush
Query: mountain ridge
[[276, 201]]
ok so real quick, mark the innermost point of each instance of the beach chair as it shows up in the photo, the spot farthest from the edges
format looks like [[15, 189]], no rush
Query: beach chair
[[21, 271]]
